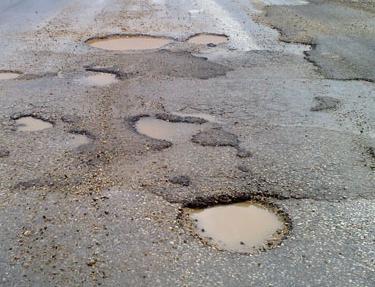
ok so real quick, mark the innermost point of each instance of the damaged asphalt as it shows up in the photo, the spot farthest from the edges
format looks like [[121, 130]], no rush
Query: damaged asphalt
[[282, 122]]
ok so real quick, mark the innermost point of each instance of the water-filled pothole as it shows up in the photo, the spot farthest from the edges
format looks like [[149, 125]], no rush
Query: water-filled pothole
[[240, 227], [174, 132], [129, 42], [100, 79], [8, 75], [206, 39], [31, 124]]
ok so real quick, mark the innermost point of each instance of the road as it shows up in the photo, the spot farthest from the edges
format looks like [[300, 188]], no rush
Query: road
[[294, 86]]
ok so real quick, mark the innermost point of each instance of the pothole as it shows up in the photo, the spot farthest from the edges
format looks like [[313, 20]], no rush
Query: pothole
[[240, 227], [129, 43], [8, 75], [32, 124], [208, 39], [79, 139], [175, 132], [99, 79]]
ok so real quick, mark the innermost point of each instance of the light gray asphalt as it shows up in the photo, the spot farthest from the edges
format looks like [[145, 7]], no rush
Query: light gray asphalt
[[107, 214]]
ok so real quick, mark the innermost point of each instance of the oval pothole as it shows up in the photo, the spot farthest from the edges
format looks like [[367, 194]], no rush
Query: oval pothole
[[175, 132], [31, 124], [243, 227], [7, 75], [129, 42], [207, 39], [99, 79]]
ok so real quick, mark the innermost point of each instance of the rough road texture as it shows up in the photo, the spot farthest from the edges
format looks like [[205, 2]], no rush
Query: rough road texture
[[342, 34], [274, 126]]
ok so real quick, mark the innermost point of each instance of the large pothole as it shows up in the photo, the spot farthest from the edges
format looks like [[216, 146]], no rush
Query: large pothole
[[129, 42], [240, 227]]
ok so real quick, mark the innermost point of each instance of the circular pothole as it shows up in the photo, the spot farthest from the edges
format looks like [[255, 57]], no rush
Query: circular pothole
[[240, 227], [7, 75], [129, 42], [207, 39], [32, 124]]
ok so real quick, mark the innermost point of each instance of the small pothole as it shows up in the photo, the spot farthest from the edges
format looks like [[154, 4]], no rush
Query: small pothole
[[129, 42], [240, 227], [208, 39], [99, 79], [6, 75], [32, 124], [79, 139], [175, 132]]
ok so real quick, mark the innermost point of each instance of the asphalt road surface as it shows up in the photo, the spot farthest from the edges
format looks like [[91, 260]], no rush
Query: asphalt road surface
[[290, 108]]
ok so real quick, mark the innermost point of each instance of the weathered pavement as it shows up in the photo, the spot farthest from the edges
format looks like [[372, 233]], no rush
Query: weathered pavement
[[106, 214]]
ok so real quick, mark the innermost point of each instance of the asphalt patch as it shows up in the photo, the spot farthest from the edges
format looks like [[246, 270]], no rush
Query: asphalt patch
[[49, 182], [71, 119], [181, 180], [162, 63], [370, 152], [173, 118], [243, 168], [325, 103], [242, 153], [4, 152], [216, 137], [347, 56]]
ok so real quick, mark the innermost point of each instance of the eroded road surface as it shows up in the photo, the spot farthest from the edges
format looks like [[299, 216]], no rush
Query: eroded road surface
[[187, 143]]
